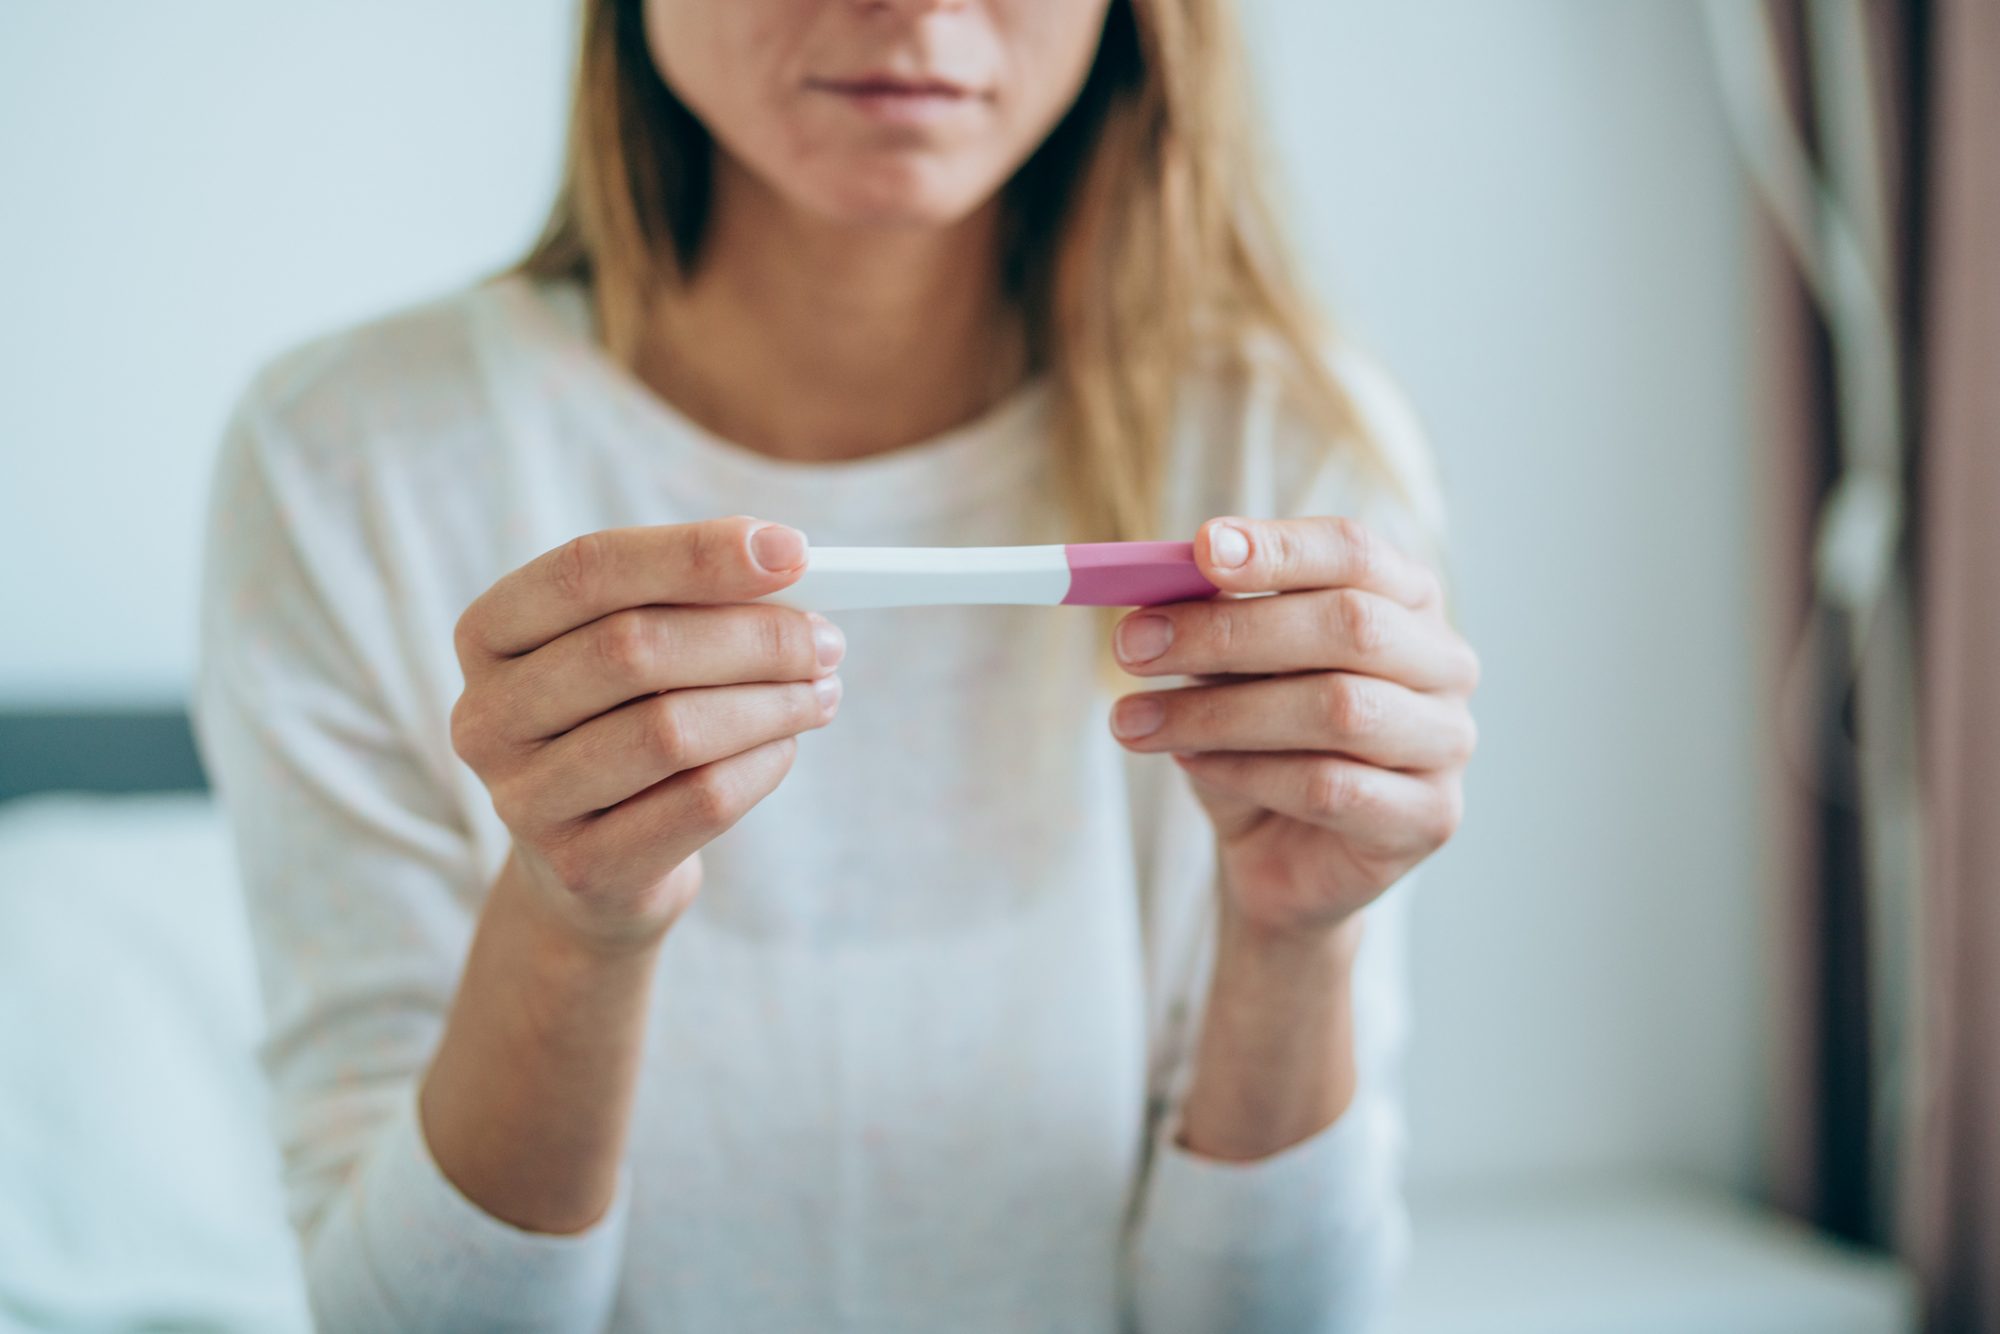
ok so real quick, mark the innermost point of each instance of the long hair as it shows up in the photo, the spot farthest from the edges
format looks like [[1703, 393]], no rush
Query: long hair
[[1139, 240]]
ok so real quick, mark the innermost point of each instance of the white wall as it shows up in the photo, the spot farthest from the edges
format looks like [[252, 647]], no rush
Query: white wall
[[183, 188], [1528, 208], [1531, 210]]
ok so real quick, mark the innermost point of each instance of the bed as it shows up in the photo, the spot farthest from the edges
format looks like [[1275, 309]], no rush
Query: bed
[[138, 1190]]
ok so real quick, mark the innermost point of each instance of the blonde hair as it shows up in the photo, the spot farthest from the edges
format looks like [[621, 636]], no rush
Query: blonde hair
[[1140, 239]]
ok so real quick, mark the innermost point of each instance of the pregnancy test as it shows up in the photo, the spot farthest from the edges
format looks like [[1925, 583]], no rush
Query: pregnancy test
[[1077, 574]]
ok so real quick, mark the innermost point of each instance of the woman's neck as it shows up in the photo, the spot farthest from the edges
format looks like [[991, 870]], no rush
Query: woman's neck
[[806, 340]]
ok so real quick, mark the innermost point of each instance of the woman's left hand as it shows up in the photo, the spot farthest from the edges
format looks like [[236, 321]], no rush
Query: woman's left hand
[[1329, 731]]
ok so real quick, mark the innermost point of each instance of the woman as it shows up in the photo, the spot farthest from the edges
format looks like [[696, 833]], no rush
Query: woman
[[626, 969]]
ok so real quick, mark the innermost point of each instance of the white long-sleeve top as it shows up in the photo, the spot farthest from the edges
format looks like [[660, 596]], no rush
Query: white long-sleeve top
[[917, 1051]]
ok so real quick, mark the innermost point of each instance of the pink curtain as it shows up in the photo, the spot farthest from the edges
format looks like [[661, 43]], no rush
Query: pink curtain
[[1872, 131], [1828, 811], [1954, 1177]]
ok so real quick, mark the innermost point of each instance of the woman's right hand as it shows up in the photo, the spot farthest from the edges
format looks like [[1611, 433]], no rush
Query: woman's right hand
[[622, 713]]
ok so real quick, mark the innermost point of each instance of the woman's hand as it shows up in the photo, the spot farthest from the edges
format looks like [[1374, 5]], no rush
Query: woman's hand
[[1329, 734], [621, 717]]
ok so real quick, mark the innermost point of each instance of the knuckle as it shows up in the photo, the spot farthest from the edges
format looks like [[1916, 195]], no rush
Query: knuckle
[[1330, 788], [712, 796], [766, 766], [1369, 805], [1363, 552], [465, 635], [465, 729], [510, 804], [784, 640], [1472, 670], [1225, 631], [569, 863], [1360, 621], [577, 567], [669, 738], [1447, 813], [519, 797], [1347, 704], [721, 549], [1289, 549], [468, 729], [624, 644]]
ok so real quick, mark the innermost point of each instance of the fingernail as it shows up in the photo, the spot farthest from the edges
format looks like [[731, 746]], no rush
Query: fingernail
[[828, 690], [1228, 545], [1143, 638], [776, 547], [1137, 716], [829, 644]]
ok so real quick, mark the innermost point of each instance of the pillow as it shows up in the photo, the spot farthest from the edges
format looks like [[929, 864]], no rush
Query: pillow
[[138, 1183]]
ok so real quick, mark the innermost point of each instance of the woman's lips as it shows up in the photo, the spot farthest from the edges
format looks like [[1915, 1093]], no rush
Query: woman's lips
[[897, 99]]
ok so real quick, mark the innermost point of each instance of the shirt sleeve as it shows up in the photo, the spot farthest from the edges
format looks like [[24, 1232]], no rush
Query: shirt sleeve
[[361, 888], [1314, 1237]]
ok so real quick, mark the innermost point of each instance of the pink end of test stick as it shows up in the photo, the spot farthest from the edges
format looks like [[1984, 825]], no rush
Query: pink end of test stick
[[1133, 574]]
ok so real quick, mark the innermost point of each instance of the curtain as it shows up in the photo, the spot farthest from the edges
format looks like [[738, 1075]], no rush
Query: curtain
[[1818, 94], [1871, 130], [1953, 1200]]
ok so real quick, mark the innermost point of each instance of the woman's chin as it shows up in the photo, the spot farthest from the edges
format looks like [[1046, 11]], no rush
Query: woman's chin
[[898, 196]]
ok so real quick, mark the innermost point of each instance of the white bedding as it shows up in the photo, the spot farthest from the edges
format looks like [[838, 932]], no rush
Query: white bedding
[[138, 1188]]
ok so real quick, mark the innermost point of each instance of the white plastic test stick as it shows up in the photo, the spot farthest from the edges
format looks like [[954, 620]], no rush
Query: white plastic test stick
[[1092, 574]]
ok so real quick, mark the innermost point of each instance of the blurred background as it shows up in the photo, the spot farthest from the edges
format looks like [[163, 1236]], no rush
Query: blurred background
[[1655, 1083]]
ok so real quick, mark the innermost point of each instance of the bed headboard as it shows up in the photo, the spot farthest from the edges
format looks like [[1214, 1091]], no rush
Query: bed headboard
[[98, 750]]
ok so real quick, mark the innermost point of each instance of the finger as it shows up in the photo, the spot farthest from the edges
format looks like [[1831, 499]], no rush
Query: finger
[[650, 833], [598, 573], [608, 759], [1319, 551], [1380, 809], [1364, 717], [1307, 630], [645, 650]]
